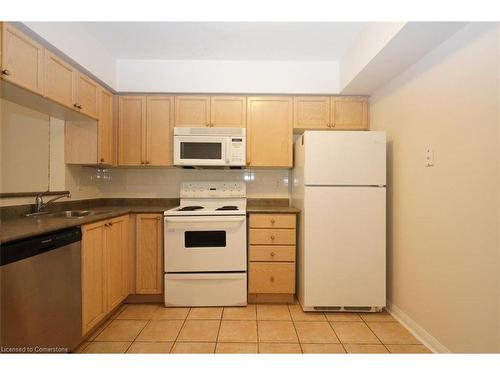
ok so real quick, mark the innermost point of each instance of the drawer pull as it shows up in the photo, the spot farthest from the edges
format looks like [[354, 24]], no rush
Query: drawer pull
[[272, 237], [272, 253], [272, 279], [272, 221]]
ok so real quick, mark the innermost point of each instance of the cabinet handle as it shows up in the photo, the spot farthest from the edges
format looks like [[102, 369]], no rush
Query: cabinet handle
[[207, 124], [272, 237], [5, 72], [272, 279], [102, 160], [272, 253], [272, 221], [75, 105], [80, 106]]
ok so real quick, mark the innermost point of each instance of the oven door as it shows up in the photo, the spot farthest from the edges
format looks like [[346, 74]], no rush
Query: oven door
[[200, 150], [205, 243]]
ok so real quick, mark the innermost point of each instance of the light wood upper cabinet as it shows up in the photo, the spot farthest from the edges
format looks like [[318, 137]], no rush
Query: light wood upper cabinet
[[311, 112], [105, 135], [269, 131], [87, 95], [228, 111], [149, 250], [94, 303], [192, 110], [131, 130], [117, 241], [22, 60], [159, 121], [349, 112], [60, 80]]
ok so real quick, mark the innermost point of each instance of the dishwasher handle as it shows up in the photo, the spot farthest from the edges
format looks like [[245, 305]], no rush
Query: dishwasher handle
[[18, 250]]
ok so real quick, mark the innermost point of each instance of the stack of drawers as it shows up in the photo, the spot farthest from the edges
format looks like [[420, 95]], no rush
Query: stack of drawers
[[271, 267]]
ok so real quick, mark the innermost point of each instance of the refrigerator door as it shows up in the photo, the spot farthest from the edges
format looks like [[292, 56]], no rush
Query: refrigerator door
[[344, 247], [345, 158]]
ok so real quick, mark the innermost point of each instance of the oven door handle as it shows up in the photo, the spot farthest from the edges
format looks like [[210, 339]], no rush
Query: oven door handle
[[208, 219]]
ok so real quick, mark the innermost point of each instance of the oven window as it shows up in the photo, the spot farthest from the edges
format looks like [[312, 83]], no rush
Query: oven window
[[208, 238], [201, 150]]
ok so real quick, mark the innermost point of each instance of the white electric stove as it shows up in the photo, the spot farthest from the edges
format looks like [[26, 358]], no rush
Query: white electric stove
[[205, 246]]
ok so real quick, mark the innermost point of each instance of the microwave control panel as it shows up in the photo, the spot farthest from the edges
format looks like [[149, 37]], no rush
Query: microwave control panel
[[237, 151]]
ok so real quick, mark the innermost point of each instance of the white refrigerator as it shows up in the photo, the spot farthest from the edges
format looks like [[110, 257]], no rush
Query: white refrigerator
[[339, 183]]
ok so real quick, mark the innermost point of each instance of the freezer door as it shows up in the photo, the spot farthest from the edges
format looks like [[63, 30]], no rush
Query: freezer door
[[344, 247], [345, 158]]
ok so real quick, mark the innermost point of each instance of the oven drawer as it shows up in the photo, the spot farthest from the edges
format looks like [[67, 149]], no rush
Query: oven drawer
[[272, 221], [271, 236], [206, 289], [278, 253], [267, 277]]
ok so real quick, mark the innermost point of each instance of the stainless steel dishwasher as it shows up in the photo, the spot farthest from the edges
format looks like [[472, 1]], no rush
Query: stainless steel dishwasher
[[41, 301]]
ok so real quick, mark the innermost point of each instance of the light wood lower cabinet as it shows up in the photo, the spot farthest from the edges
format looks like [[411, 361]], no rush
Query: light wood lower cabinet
[[271, 254], [104, 269], [149, 254]]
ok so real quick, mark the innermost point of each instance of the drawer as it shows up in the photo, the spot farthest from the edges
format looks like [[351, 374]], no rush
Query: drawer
[[272, 221], [278, 253], [265, 277], [271, 236]]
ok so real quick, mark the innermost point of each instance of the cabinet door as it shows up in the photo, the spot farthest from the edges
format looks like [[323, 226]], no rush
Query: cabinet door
[[131, 130], [349, 112], [192, 110], [311, 112], [160, 110], [269, 131], [228, 111], [105, 136], [117, 240], [22, 60], [60, 79], [149, 250], [94, 304], [87, 95]]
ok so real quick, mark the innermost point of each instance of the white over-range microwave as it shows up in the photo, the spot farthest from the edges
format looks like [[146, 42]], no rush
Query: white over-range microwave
[[218, 147]]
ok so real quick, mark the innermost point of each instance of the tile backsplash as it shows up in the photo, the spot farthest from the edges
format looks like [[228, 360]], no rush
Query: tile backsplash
[[86, 182]]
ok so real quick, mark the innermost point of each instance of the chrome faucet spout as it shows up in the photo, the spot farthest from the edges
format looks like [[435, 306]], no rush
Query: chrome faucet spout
[[40, 205]]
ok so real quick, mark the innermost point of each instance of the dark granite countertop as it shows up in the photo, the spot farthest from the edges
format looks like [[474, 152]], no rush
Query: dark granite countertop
[[273, 209]]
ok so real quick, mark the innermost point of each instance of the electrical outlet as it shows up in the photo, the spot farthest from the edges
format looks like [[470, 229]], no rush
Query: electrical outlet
[[429, 157]]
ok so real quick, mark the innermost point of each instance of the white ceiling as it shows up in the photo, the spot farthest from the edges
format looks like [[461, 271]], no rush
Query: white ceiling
[[271, 41]]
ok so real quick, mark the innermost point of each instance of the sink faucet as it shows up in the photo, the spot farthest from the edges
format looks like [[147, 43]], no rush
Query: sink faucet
[[40, 205]]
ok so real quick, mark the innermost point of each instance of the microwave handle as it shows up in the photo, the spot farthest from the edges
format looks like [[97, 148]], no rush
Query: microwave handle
[[228, 148]]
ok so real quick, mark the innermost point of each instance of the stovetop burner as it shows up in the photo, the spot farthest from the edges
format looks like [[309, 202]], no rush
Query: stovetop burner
[[227, 208], [190, 208]]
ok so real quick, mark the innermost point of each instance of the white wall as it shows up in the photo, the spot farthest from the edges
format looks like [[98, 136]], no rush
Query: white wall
[[76, 43], [443, 240], [216, 76]]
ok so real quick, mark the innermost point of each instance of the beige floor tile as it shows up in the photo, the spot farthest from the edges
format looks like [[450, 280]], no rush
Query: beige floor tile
[[236, 348], [273, 312], [343, 317], [323, 348], [275, 348], [150, 347], [354, 333], [99, 330], [300, 315], [171, 313], [392, 333], [377, 317], [240, 313], [205, 313], [408, 349], [193, 348], [161, 330], [121, 330], [276, 331], [315, 332], [118, 311], [138, 311], [107, 347], [238, 331], [365, 349], [199, 330]]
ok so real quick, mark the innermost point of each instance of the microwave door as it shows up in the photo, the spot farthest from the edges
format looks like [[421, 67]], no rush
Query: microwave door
[[193, 151]]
